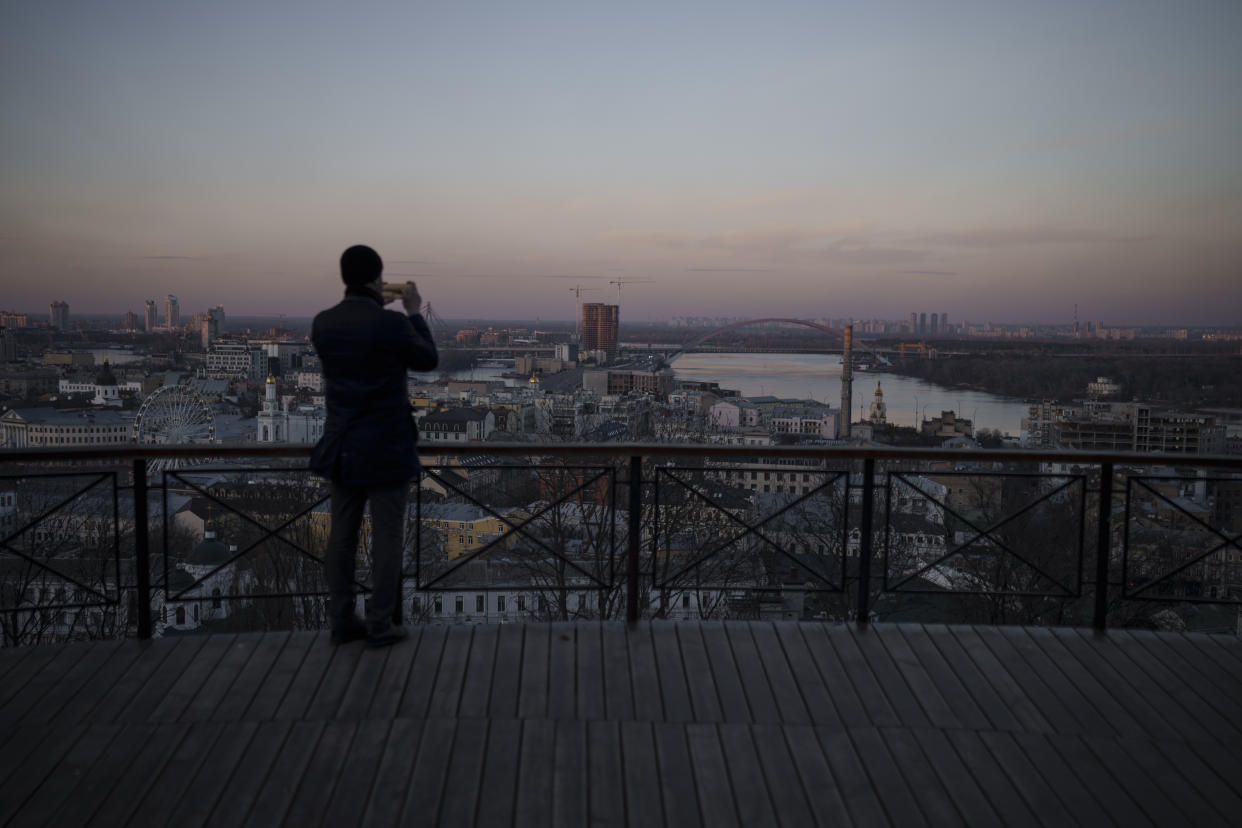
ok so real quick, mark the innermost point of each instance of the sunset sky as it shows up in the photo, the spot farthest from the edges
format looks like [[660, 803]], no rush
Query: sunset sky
[[995, 161]]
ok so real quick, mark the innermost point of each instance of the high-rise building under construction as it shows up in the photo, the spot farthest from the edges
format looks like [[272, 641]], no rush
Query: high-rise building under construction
[[600, 323]]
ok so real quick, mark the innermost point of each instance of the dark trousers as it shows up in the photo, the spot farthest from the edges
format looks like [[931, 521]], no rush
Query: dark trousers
[[387, 532]]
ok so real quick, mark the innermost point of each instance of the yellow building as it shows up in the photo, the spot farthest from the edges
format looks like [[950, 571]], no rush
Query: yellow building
[[464, 528]]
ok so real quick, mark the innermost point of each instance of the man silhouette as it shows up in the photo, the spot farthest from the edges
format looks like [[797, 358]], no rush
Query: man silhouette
[[367, 449]]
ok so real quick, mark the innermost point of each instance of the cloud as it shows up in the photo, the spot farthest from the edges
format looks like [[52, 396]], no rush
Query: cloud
[[729, 269], [1015, 236], [175, 258], [929, 272]]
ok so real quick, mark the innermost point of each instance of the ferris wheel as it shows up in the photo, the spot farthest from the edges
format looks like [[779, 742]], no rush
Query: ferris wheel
[[174, 415]]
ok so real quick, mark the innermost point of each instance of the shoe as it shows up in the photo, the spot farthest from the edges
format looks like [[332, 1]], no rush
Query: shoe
[[351, 629], [386, 637]]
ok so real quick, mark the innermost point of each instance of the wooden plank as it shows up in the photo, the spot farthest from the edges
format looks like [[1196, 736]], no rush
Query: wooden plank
[[500, 771], [392, 775], [820, 703], [310, 676], [589, 670], [704, 701], [337, 675], [1127, 697], [927, 792], [159, 807], [314, 793], [1004, 658], [507, 674], [52, 694], [358, 774], [1096, 777], [271, 690], [903, 805], [787, 783], [643, 804], [245, 687], [759, 698], [1070, 786], [842, 655], [1182, 689], [644, 676], [785, 689], [724, 673], [218, 685], [396, 677], [967, 795], [120, 807], [422, 678], [674, 692], [250, 773], [283, 780], [1134, 691], [842, 776], [899, 692], [102, 776], [1137, 783], [1080, 689], [605, 780], [534, 783], [368, 674], [1209, 778], [477, 686], [43, 750], [450, 675], [711, 777], [464, 786], [618, 688], [43, 801], [1041, 800], [533, 692], [195, 674], [1174, 781], [123, 661], [570, 775], [1224, 650], [745, 778], [911, 641], [159, 660], [425, 783], [33, 664], [213, 775], [1223, 760], [961, 668], [916, 677], [1217, 690], [983, 766], [562, 688], [676, 775]]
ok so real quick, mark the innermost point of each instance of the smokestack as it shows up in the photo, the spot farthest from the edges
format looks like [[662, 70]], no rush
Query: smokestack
[[847, 384]]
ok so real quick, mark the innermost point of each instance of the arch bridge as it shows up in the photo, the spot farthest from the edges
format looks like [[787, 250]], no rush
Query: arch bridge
[[806, 323]]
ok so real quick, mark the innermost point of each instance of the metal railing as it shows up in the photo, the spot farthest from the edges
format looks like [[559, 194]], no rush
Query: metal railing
[[987, 562]]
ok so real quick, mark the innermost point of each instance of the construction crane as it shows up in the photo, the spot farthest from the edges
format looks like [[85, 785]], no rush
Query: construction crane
[[620, 282], [577, 291]]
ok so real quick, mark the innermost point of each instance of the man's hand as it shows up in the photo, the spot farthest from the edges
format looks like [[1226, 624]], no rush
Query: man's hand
[[410, 298]]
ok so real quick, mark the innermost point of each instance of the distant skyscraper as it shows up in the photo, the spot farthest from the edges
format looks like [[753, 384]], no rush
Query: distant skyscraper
[[210, 329], [8, 346], [935, 325], [599, 328], [150, 319], [60, 315], [218, 313], [172, 313], [922, 323], [130, 322], [914, 323], [944, 323]]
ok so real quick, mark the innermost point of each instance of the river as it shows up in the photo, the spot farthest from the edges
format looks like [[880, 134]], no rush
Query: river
[[818, 377]]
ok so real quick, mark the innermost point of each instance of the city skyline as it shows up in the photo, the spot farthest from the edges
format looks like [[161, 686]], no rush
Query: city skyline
[[1003, 164]]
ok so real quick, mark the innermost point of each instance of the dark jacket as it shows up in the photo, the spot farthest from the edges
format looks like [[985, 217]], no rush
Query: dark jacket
[[369, 436]]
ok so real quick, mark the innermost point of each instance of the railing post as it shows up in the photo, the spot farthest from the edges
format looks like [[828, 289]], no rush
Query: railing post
[[635, 539], [1103, 546], [864, 550], [142, 552]]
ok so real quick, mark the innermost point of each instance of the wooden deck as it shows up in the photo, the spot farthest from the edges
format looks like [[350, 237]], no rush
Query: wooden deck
[[746, 724]]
